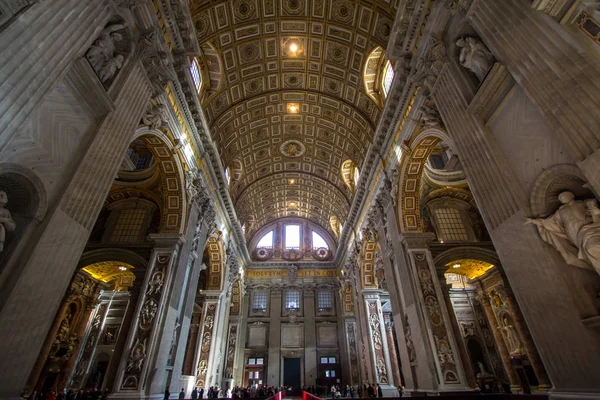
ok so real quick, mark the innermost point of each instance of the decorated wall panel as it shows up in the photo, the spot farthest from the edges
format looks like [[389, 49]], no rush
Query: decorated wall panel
[[137, 358], [446, 362], [206, 343]]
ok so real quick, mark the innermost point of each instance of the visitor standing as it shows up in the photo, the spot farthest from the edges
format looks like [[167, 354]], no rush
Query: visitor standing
[[195, 394], [182, 394], [167, 394]]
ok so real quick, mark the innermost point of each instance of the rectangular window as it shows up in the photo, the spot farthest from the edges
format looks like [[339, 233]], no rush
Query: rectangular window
[[330, 373], [195, 72], [259, 302], [292, 300], [292, 237], [256, 361], [128, 225], [328, 360], [450, 225], [325, 300]]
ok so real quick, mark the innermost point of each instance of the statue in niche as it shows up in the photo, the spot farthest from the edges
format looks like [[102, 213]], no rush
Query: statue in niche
[[573, 230], [6, 221], [474, 56], [101, 54], [512, 337]]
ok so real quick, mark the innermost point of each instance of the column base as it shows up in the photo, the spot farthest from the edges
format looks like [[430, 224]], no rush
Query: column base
[[566, 395], [140, 396], [389, 391]]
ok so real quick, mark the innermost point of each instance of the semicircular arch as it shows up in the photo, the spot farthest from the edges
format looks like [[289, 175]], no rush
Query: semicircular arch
[[409, 186], [174, 202]]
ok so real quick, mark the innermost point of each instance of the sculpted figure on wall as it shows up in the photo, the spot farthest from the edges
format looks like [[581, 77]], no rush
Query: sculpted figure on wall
[[157, 116], [573, 230], [512, 337], [474, 56], [101, 54], [6, 221]]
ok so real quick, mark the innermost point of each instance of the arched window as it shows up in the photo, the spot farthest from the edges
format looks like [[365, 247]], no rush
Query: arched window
[[388, 78], [318, 241], [266, 241], [292, 236]]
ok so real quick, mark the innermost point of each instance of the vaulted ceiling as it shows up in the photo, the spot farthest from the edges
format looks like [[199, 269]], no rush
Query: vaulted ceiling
[[284, 163]]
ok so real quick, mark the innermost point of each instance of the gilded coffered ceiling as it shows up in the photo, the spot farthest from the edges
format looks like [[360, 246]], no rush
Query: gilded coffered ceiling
[[286, 102]]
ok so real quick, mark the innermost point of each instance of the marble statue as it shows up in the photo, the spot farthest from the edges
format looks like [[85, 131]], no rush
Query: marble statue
[[474, 56], [512, 337], [573, 230], [101, 54], [6, 221]]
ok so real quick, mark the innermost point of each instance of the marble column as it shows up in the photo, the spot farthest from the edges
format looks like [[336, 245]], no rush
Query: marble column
[[209, 313], [504, 206], [439, 338], [513, 379], [238, 366], [417, 361], [185, 289], [389, 330], [557, 67], [274, 358], [215, 361], [143, 366], [80, 332], [461, 347], [310, 338], [378, 344], [48, 266], [532, 353]]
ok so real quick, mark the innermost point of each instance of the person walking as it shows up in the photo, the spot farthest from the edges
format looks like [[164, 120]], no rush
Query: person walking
[[379, 391], [182, 394], [195, 394], [201, 393]]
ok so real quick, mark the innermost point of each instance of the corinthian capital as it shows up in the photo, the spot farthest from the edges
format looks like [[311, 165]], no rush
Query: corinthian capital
[[156, 62], [430, 65]]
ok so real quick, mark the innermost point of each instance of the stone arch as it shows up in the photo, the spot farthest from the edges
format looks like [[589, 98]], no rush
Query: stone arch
[[113, 254], [409, 186], [174, 202], [475, 261], [551, 182], [466, 252], [216, 261]]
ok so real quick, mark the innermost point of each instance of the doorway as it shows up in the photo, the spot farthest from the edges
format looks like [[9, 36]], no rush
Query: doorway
[[291, 374]]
